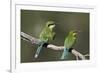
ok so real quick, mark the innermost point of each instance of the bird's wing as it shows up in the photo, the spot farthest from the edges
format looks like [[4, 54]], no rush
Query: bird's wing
[[69, 42], [46, 34]]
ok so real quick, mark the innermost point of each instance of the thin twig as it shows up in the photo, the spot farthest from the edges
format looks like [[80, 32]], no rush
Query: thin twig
[[86, 55], [34, 40]]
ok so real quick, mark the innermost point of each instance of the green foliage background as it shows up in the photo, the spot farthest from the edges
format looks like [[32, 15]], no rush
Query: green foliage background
[[32, 22]]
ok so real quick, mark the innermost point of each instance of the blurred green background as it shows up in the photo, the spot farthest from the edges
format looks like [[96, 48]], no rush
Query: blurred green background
[[32, 22]]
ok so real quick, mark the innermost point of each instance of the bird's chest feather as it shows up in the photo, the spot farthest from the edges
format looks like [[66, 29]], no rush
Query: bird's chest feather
[[46, 34], [69, 42]]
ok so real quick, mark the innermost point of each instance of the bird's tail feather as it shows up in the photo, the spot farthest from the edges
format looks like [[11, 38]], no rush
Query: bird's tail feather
[[38, 51], [64, 54]]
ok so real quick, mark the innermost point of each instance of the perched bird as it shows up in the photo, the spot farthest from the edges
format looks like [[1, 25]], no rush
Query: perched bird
[[45, 36], [68, 43]]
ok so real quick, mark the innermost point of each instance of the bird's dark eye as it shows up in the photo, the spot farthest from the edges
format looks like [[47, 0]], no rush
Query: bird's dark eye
[[50, 25]]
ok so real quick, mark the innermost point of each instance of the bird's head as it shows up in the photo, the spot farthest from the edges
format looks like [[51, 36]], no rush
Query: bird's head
[[74, 33], [50, 24]]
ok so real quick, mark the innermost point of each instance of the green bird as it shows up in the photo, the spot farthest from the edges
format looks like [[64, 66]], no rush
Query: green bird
[[45, 36], [68, 43]]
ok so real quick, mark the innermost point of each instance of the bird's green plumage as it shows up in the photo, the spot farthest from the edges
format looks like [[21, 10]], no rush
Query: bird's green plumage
[[47, 33], [70, 40], [46, 36], [68, 43]]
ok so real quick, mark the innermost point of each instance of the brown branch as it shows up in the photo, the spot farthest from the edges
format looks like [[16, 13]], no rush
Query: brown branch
[[33, 40]]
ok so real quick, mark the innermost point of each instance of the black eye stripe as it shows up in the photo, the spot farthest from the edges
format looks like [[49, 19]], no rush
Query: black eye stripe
[[50, 25]]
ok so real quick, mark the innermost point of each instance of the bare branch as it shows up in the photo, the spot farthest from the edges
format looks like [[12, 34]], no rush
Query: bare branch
[[51, 46], [29, 38], [77, 54], [86, 55]]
